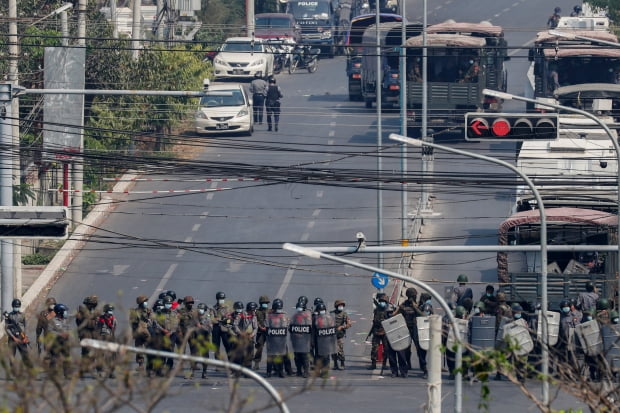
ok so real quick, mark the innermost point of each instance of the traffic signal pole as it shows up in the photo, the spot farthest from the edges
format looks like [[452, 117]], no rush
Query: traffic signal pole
[[543, 246]]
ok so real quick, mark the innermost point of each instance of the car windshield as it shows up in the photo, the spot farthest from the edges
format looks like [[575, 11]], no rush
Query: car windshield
[[272, 22], [218, 98], [242, 47]]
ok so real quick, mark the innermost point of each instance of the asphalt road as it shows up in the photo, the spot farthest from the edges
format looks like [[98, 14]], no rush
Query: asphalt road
[[229, 240]]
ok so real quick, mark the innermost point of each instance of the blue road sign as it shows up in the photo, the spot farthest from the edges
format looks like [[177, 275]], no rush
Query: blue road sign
[[379, 281]]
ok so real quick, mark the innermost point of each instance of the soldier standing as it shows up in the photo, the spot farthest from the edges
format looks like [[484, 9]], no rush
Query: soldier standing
[[86, 321], [140, 323], [325, 332], [201, 339], [42, 322], [587, 300], [234, 326], [410, 311], [343, 323], [218, 314], [106, 330], [503, 310], [377, 332], [57, 339], [249, 333], [277, 328], [261, 333], [301, 337], [188, 324], [566, 340], [490, 300], [15, 327], [461, 292], [164, 335]]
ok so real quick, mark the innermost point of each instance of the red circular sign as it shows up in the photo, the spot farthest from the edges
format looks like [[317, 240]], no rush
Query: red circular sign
[[501, 127]]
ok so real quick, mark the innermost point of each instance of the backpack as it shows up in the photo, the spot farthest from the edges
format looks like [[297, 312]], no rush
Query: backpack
[[273, 93]]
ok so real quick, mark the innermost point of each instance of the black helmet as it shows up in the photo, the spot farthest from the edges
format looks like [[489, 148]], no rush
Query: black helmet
[[168, 300], [60, 309], [201, 306], [411, 292], [317, 301], [162, 295], [516, 307], [573, 301], [16, 303], [220, 296], [158, 303], [238, 305], [321, 307], [577, 9], [302, 299], [589, 284], [564, 303], [277, 304], [602, 304], [251, 306], [108, 307], [172, 294], [557, 10]]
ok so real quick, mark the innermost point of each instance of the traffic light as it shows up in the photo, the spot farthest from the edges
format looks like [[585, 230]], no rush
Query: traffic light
[[47, 222], [511, 126]]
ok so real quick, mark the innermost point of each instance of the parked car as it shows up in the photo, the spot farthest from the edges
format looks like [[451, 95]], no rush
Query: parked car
[[224, 108], [243, 57], [276, 26]]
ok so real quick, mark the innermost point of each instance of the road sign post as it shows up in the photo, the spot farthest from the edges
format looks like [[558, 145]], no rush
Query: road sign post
[[511, 126]]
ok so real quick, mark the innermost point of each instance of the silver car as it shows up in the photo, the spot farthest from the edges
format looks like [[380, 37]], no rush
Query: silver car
[[224, 108]]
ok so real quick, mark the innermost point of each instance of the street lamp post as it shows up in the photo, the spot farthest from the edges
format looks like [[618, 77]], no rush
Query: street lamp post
[[458, 382], [614, 141], [118, 348], [543, 244]]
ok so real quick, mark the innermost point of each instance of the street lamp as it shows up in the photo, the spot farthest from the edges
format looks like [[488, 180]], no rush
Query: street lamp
[[458, 382], [543, 243], [119, 348], [614, 141]]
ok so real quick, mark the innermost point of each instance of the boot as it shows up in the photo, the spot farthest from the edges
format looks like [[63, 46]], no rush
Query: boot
[[204, 373], [342, 364], [269, 368], [336, 367], [268, 127], [373, 365]]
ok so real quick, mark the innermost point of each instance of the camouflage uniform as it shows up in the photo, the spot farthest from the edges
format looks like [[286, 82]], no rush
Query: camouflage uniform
[[261, 334], [58, 345], [43, 320], [140, 319], [15, 327], [378, 335], [106, 331], [343, 322], [86, 321], [411, 312], [220, 335]]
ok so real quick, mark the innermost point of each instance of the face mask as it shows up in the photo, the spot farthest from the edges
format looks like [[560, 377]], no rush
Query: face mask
[[427, 302], [264, 305], [220, 302], [427, 313], [589, 318], [615, 321], [518, 316], [65, 314], [279, 311], [340, 308], [110, 312], [476, 310], [566, 309], [145, 304], [489, 295], [238, 311], [201, 311], [382, 304], [300, 309], [322, 312], [51, 307], [16, 309], [189, 306], [168, 306]]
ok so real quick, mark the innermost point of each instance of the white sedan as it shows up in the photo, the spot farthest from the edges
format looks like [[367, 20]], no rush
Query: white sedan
[[242, 57], [225, 108]]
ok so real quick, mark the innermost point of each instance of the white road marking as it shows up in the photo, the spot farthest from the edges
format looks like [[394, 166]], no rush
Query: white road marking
[[183, 251], [330, 142], [305, 236], [310, 224], [316, 213], [204, 215], [331, 133], [196, 227], [319, 194], [163, 281], [210, 195], [523, 46], [332, 124], [119, 269], [287, 278]]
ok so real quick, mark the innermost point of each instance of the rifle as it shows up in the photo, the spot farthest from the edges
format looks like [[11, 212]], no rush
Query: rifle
[[14, 330]]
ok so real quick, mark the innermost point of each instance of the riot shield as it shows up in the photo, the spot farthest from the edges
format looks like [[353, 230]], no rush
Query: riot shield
[[301, 332], [424, 332], [553, 327], [589, 336], [519, 334], [482, 333], [462, 326], [611, 345], [277, 329], [325, 330], [397, 332]]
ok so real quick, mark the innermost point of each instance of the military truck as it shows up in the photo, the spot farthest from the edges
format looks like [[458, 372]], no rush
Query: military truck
[[463, 60]]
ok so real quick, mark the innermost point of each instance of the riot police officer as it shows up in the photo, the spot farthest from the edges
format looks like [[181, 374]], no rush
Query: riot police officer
[[277, 323], [15, 327], [343, 323], [219, 312], [140, 319], [587, 300], [234, 326], [43, 321], [377, 332], [566, 343], [490, 300], [325, 333], [57, 339], [86, 321], [261, 334], [461, 292], [301, 336], [410, 311], [250, 329]]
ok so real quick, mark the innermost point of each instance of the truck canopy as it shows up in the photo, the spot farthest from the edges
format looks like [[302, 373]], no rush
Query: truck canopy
[[482, 29], [359, 25], [546, 37], [448, 40]]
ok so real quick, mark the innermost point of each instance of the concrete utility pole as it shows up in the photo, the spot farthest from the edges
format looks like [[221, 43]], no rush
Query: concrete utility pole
[[434, 366], [379, 137], [250, 17], [114, 18], [135, 28], [78, 163], [6, 189], [404, 213]]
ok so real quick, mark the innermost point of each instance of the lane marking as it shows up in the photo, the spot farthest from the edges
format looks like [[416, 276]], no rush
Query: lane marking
[[305, 236], [331, 133], [332, 124], [163, 281], [287, 278], [204, 215], [196, 227], [330, 142], [319, 194], [316, 213], [182, 252], [210, 195], [310, 224]]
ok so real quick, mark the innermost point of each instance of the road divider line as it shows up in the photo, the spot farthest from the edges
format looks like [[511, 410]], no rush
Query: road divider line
[[287, 278], [163, 282], [196, 227]]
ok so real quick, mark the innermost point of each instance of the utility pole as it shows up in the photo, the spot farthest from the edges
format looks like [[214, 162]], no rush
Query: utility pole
[[6, 189], [78, 163], [114, 18], [135, 28], [379, 137], [250, 17]]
